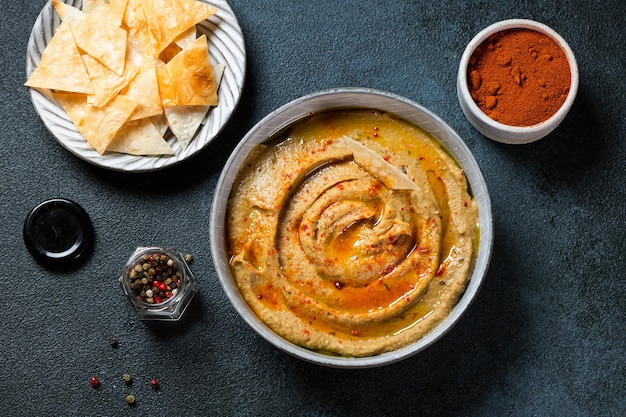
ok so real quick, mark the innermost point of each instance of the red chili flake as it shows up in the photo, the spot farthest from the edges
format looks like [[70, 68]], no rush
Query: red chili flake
[[94, 382], [388, 269], [338, 285], [422, 250], [259, 296], [440, 271], [154, 384], [387, 158], [354, 333], [465, 203]]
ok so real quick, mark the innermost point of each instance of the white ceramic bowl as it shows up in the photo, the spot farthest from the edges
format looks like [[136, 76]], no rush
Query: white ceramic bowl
[[498, 131], [331, 100]]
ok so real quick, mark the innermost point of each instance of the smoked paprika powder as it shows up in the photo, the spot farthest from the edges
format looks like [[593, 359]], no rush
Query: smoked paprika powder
[[519, 77]]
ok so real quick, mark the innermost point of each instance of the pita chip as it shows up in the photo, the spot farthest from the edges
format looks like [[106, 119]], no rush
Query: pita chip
[[186, 38], [180, 43], [106, 83], [160, 124], [167, 19], [136, 22], [139, 137], [61, 67], [90, 5], [67, 13], [144, 88], [100, 35], [188, 80], [184, 121], [98, 125]]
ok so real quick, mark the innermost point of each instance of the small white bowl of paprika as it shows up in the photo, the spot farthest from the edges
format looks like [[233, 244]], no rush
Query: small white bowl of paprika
[[517, 80]]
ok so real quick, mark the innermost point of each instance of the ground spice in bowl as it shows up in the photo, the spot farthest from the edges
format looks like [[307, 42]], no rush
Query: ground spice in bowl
[[519, 77]]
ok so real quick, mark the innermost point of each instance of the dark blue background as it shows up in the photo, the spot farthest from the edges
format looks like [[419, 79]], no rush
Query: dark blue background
[[545, 337]]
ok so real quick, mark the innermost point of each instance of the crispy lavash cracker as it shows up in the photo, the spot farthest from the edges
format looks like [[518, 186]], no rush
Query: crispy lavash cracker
[[106, 83], [100, 35], [181, 42], [98, 125], [184, 121], [144, 87], [139, 137], [61, 67], [188, 80], [90, 5], [389, 174], [137, 23], [187, 37], [67, 13], [168, 19]]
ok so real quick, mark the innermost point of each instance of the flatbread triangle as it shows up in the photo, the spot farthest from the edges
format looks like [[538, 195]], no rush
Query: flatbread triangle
[[61, 67], [100, 35], [98, 125], [188, 80], [167, 19]]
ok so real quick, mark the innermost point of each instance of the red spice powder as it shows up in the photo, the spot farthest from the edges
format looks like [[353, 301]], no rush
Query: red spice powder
[[519, 77]]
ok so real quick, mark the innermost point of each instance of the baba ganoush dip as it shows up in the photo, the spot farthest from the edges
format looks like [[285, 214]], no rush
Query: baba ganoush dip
[[353, 233]]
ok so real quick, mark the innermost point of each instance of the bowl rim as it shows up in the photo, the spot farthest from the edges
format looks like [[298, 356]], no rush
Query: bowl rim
[[525, 134], [342, 98]]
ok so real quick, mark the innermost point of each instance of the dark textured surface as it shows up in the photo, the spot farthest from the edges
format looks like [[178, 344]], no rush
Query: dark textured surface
[[545, 337]]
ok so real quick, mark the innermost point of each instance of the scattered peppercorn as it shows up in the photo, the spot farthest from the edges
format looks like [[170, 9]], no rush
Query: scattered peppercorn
[[94, 382], [155, 278], [154, 384], [113, 342], [127, 379], [130, 399], [188, 257]]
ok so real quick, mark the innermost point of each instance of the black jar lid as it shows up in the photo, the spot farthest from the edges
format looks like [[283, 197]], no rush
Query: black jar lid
[[58, 233]]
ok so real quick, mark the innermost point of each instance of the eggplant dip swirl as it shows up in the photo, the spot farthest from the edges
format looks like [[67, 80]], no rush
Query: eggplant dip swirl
[[353, 233]]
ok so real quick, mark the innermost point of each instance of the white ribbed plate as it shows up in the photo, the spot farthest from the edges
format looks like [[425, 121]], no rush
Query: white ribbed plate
[[226, 46]]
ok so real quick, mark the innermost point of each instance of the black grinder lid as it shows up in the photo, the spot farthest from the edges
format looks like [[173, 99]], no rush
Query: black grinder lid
[[59, 233]]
